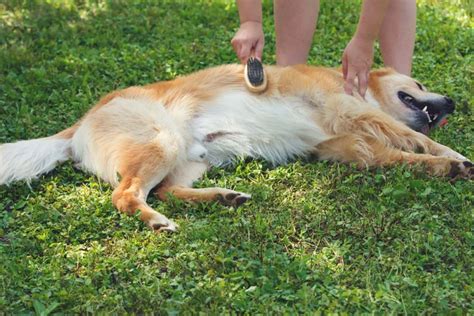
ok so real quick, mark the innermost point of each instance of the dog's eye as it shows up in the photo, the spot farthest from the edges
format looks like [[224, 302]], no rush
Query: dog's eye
[[419, 85]]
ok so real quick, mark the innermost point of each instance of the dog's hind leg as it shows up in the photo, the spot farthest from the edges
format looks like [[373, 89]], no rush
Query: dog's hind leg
[[141, 168], [179, 183], [371, 152]]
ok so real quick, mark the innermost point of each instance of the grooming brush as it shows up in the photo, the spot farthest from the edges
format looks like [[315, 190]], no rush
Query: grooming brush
[[255, 76]]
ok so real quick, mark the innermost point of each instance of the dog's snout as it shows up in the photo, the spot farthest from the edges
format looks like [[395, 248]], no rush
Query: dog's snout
[[450, 104]]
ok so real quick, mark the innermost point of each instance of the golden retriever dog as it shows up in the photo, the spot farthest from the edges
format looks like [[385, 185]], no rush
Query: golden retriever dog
[[167, 134]]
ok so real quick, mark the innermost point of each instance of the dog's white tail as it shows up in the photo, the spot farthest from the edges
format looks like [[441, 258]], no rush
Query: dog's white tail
[[27, 159]]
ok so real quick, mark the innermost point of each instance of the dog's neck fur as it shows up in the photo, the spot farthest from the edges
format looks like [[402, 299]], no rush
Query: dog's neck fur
[[369, 98]]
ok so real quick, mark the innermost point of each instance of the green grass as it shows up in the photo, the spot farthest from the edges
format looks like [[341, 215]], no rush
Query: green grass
[[315, 236]]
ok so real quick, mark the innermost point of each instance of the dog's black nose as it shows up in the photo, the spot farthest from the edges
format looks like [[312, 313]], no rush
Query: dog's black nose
[[449, 104]]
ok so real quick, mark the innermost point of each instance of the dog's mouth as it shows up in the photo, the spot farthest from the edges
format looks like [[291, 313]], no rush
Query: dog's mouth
[[428, 114]]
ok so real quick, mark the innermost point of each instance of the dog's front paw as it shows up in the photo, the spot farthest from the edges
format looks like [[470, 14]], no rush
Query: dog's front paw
[[461, 170], [234, 199], [449, 153]]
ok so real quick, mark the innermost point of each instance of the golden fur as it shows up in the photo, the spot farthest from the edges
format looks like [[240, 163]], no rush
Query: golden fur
[[372, 133]]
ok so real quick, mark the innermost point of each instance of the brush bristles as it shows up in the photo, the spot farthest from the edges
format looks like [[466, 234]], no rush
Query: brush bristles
[[255, 75]]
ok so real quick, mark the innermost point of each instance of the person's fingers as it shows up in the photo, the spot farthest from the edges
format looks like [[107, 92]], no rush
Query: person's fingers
[[349, 82], [244, 52], [236, 45], [259, 49], [363, 82], [233, 42], [344, 65], [242, 57]]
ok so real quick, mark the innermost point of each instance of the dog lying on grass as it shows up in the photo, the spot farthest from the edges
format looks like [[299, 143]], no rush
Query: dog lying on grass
[[167, 134]]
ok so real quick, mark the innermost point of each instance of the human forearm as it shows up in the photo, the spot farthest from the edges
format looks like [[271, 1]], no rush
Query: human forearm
[[250, 11], [249, 39], [371, 19], [359, 53]]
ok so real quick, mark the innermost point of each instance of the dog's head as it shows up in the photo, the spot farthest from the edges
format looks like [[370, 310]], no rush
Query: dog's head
[[409, 101]]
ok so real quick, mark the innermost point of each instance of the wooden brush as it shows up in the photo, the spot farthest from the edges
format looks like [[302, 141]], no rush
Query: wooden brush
[[255, 76]]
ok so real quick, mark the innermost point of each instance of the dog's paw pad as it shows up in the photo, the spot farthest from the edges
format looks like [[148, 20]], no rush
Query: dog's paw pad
[[158, 226], [234, 199], [167, 226], [241, 200], [231, 196], [461, 170]]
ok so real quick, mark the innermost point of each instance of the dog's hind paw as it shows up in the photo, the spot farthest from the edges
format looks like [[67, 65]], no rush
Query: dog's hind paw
[[161, 224], [234, 199]]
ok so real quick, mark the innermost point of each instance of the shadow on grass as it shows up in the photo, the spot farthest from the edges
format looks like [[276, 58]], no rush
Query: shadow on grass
[[313, 236]]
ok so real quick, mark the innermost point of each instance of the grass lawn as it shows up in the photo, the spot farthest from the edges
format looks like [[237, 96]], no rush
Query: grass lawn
[[316, 235]]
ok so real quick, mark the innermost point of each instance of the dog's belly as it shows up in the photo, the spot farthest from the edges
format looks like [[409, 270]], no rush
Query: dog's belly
[[239, 124]]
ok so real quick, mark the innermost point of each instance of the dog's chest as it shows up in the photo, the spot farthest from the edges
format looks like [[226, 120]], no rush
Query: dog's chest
[[238, 124]]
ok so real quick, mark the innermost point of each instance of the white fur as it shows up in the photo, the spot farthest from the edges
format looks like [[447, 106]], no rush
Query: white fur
[[99, 141], [197, 152], [369, 98], [27, 159], [276, 129], [448, 152], [186, 174]]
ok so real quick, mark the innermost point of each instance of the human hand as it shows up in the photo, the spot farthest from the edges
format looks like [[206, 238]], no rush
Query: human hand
[[249, 41], [356, 62]]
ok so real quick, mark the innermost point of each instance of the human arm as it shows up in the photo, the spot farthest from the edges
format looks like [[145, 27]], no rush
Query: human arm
[[359, 53], [249, 39]]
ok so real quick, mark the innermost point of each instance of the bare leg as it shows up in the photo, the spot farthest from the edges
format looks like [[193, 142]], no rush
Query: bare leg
[[295, 22], [397, 35]]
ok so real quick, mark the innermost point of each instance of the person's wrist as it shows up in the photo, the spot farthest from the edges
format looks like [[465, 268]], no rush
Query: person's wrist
[[364, 38], [251, 23]]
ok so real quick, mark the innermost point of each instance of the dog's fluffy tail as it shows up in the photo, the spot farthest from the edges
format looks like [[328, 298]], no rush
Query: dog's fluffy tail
[[27, 159]]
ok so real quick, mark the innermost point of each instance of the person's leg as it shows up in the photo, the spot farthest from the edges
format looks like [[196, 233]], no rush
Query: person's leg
[[295, 22], [397, 35]]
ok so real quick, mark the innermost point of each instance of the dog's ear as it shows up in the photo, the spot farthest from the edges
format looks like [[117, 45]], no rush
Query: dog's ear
[[374, 82]]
